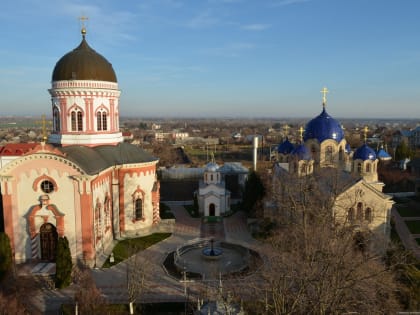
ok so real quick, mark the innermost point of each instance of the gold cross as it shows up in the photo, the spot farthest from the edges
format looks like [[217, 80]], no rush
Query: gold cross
[[324, 91], [286, 129], [366, 129], [43, 122], [301, 131], [82, 20]]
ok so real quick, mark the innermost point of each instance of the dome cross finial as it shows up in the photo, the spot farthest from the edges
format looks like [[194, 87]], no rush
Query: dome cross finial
[[365, 130], [286, 129], [324, 92], [82, 20], [301, 131]]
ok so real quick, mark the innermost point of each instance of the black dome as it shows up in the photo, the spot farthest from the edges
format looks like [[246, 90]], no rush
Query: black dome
[[83, 63]]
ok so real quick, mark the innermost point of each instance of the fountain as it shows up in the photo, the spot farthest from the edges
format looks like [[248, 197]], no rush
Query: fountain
[[208, 259], [212, 253]]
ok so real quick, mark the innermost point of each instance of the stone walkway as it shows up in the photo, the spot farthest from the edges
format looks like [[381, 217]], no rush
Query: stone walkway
[[160, 287]]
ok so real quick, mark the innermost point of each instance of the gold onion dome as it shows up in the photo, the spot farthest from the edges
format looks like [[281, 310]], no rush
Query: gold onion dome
[[83, 63]]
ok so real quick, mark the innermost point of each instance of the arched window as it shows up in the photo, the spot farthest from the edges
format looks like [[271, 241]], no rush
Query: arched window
[[303, 169], [359, 213], [368, 215], [329, 154], [138, 204], [56, 119], [101, 120], [107, 212], [76, 120], [359, 167], [98, 221], [368, 168], [350, 215]]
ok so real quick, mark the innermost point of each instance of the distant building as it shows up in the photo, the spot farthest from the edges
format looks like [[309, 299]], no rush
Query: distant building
[[213, 197]]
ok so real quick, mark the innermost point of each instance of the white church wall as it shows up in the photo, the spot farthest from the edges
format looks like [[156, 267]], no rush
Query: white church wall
[[28, 171], [101, 194], [142, 178]]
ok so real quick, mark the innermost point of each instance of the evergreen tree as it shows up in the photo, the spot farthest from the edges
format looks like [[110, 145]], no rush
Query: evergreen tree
[[254, 191], [5, 254], [64, 263], [403, 151]]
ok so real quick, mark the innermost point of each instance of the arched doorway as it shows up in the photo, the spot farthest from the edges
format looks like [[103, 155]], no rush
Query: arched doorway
[[212, 210], [48, 238]]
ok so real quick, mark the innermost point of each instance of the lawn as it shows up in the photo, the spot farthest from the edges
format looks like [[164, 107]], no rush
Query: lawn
[[406, 211], [413, 226], [192, 210], [126, 248]]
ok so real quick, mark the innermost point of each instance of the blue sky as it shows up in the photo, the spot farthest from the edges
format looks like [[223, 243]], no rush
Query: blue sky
[[218, 58]]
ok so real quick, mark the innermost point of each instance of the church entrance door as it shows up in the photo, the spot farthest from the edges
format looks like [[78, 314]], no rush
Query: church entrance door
[[48, 238], [212, 210]]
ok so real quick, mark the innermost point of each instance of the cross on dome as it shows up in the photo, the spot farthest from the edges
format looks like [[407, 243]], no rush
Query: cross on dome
[[324, 92], [82, 20], [301, 131], [365, 130]]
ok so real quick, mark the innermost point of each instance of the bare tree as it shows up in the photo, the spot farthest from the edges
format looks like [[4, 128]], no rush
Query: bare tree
[[316, 265], [88, 297], [138, 270]]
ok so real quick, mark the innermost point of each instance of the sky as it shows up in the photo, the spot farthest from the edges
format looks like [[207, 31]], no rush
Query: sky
[[223, 58]]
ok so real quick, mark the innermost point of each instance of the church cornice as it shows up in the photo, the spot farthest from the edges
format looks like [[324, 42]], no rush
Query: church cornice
[[60, 157], [85, 93], [90, 84]]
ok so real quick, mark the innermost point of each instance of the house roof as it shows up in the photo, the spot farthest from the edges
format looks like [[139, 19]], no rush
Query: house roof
[[16, 149]]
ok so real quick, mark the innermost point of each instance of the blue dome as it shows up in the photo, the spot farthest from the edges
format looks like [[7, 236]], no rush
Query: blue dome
[[383, 155], [302, 152], [211, 167], [285, 147], [364, 153], [323, 127], [348, 148]]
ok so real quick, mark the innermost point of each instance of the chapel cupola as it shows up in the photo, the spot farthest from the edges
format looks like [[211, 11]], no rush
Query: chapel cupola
[[85, 99]]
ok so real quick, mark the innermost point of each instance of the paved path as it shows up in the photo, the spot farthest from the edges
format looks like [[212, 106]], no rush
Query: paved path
[[160, 287]]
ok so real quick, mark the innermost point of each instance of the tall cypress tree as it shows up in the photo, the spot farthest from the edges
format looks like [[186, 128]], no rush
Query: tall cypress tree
[[5, 255], [254, 191], [64, 264]]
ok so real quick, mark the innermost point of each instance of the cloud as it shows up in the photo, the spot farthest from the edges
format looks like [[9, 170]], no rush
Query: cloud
[[255, 27], [203, 19], [282, 3], [230, 50]]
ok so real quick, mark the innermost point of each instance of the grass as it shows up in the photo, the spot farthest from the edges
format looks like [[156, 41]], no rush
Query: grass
[[165, 211], [124, 249], [413, 226], [192, 211]]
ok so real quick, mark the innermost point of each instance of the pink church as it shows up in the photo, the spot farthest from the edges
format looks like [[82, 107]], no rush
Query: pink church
[[85, 183]]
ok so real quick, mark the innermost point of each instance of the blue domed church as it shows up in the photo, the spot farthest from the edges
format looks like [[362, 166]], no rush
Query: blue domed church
[[322, 154]]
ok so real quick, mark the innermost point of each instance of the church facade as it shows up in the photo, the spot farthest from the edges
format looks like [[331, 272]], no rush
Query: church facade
[[84, 183], [348, 177]]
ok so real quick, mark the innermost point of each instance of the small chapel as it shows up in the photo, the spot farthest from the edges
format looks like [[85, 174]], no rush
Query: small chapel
[[324, 154], [83, 182]]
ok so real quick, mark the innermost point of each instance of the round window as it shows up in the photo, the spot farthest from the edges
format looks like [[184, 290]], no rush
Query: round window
[[47, 186]]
